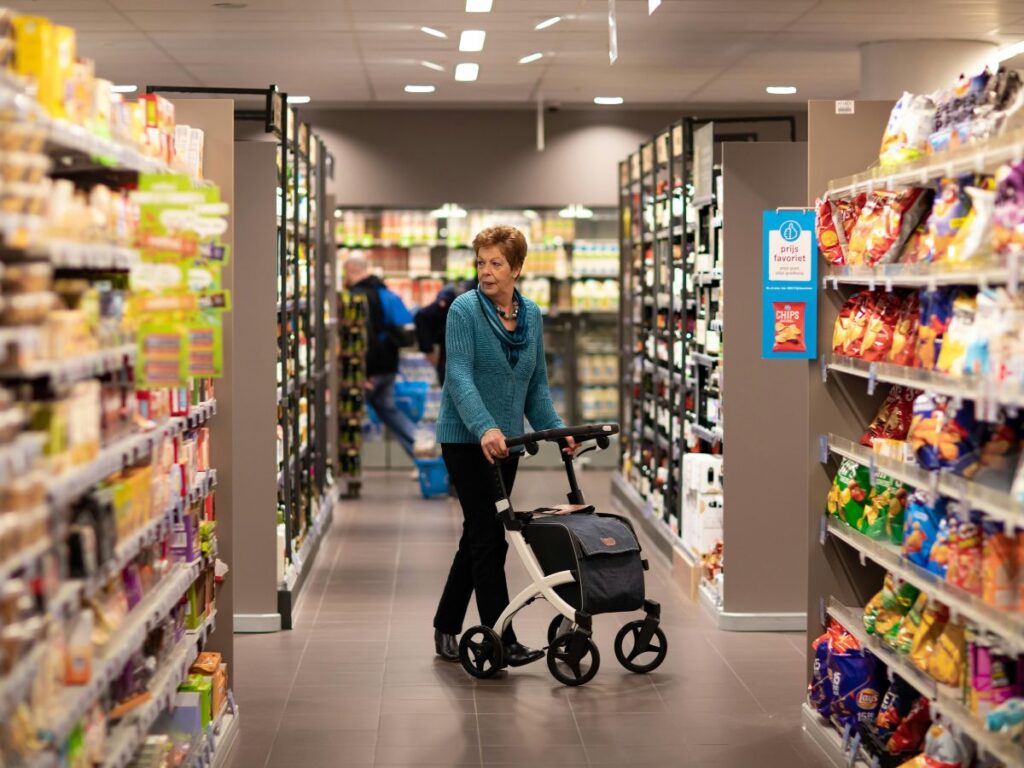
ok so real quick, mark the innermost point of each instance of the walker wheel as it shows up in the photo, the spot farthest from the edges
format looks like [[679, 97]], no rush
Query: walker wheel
[[634, 657], [573, 659], [554, 626], [481, 652]]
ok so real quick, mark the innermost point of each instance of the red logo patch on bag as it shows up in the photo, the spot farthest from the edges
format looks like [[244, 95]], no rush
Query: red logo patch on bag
[[608, 541]]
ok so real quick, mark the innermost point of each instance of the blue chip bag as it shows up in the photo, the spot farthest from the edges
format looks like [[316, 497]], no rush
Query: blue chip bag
[[940, 553], [819, 692], [858, 683], [921, 527]]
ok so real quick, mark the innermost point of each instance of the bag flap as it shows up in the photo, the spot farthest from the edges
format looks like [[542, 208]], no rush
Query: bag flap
[[601, 535]]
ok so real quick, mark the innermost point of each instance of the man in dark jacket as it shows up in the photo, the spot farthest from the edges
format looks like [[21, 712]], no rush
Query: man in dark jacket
[[430, 324], [386, 334]]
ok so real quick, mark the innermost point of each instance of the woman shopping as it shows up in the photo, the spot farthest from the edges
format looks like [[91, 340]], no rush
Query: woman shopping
[[495, 375]]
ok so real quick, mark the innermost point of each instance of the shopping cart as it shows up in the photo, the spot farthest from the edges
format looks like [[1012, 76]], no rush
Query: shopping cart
[[583, 563]]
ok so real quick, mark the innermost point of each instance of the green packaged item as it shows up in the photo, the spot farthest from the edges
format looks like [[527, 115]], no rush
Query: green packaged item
[[883, 513], [903, 638], [849, 492], [882, 615], [204, 687]]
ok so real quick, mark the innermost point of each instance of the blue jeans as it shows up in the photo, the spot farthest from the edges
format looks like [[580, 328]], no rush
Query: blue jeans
[[382, 398]]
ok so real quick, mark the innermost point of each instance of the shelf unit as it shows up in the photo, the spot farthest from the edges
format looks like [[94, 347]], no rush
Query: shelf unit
[[353, 314], [59, 595], [845, 566]]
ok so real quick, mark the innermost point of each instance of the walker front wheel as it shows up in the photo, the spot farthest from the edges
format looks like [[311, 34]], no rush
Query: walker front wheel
[[573, 659], [556, 625], [481, 652], [641, 649]]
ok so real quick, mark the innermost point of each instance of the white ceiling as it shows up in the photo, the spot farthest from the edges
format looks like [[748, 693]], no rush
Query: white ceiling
[[362, 52]]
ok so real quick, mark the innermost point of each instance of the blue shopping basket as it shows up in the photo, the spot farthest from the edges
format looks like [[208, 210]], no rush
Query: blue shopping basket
[[433, 477], [411, 398]]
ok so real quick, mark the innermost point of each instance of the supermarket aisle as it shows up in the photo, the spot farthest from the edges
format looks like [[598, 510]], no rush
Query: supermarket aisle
[[358, 683]]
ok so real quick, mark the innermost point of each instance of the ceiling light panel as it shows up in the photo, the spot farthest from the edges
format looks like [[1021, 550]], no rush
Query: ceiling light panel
[[434, 32], [467, 72], [531, 58], [472, 40], [548, 22], [433, 66], [781, 90], [420, 89], [608, 100], [478, 6]]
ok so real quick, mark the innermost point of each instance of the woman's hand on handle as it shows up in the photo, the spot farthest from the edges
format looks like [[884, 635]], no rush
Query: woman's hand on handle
[[570, 446], [493, 445]]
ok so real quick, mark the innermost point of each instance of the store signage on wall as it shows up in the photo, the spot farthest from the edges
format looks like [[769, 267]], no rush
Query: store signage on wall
[[789, 294], [703, 163]]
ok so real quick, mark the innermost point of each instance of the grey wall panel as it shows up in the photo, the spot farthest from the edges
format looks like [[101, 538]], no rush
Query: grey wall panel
[[254, 396], [764, 401], [488, 157]]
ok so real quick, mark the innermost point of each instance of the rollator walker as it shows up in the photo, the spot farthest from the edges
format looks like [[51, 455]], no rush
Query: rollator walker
[[583, 563]]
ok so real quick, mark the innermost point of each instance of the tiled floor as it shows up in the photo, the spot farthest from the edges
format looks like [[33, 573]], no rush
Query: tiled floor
[[357, 684]]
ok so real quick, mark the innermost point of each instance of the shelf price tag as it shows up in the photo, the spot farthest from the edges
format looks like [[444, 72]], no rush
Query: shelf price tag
[[789, 296]]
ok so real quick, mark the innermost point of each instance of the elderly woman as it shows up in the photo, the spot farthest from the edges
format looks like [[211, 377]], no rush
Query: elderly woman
[[496, 375]]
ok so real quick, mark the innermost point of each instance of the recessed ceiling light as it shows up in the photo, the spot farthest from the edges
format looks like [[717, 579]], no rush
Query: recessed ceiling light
[[299, 99], [472, 40], [433, 66], [231, 6], [548, 22], [434, 32], [124, 88], [531, 58], [467, 72], [781, 90], [420, 89], [608, 100], [478, 6]]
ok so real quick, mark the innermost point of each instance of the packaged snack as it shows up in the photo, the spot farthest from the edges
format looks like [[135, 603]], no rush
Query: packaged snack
[[965, 566], [921, 526], [941, 750], [1008, 209], [999, 455], [933, 622], [906, 135], [894, 418], [936, 312], [975, 236], [834, 224], [910, 733], [858, 680], [851, 324], [881, 327], [885, 225], [789, 326], [884, 611], [942, 441], [915, 250], [950, 208], [1007, 718], [946, 662], [903, 638], [954, 111], [849, 492], [895, 706], [941, 554], [887, 500], [958, 335], [819, 691], [999, 566], [904, 337]]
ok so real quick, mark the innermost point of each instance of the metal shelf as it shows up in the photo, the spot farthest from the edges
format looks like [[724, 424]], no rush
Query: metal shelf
[[708, 361], [944, 699], [1009, 627], [75, 369], [997, 504], [963, 387], [710, 435], [107, 257], [984, 156], [889, 276]]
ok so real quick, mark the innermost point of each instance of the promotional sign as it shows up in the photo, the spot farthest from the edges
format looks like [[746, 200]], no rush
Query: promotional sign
[[789, 296], [703, 163]]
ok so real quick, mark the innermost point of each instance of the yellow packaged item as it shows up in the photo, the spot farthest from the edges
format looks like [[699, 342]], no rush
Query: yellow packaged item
[[946, 662], [933, 621]]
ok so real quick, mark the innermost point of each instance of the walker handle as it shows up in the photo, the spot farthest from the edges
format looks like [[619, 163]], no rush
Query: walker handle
[[581, 433]]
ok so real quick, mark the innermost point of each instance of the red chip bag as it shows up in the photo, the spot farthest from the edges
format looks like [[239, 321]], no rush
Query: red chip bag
[[888, 220], [881, 327], [904, 338], [858, 324], [789, 326], [852, 322], [835, 222], [894, 417], [910, 734]]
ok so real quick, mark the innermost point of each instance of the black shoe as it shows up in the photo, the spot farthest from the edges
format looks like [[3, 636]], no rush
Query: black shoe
[[517, 654], [446, 645]]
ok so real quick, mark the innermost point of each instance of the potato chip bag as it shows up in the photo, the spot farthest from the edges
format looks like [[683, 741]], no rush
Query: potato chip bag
[[1008, 211], [895, 706], [936, 312], [887, 499], [885, 610], [790, 317], [858, 681], [933, 622], [941, 440], [881, 327], [885, 225], [999, 567], [950, 208], [974, 238], [911, 731], [941, 554], [911, 122], [849, 492], [958, 335], [921, 526], [851, 324], [915, 250], [894, 418], [819, 690], [904, 337], [946, 662], [834, 225], [903, 638], [965, 565]]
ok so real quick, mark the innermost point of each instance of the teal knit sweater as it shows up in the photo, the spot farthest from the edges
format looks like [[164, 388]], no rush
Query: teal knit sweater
[[481, 390]]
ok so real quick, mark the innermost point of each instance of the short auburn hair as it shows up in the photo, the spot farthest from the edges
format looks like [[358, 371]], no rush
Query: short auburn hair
[[509, 240]]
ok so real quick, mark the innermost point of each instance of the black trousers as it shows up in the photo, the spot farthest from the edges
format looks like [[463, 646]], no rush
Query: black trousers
[[479, 563]]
